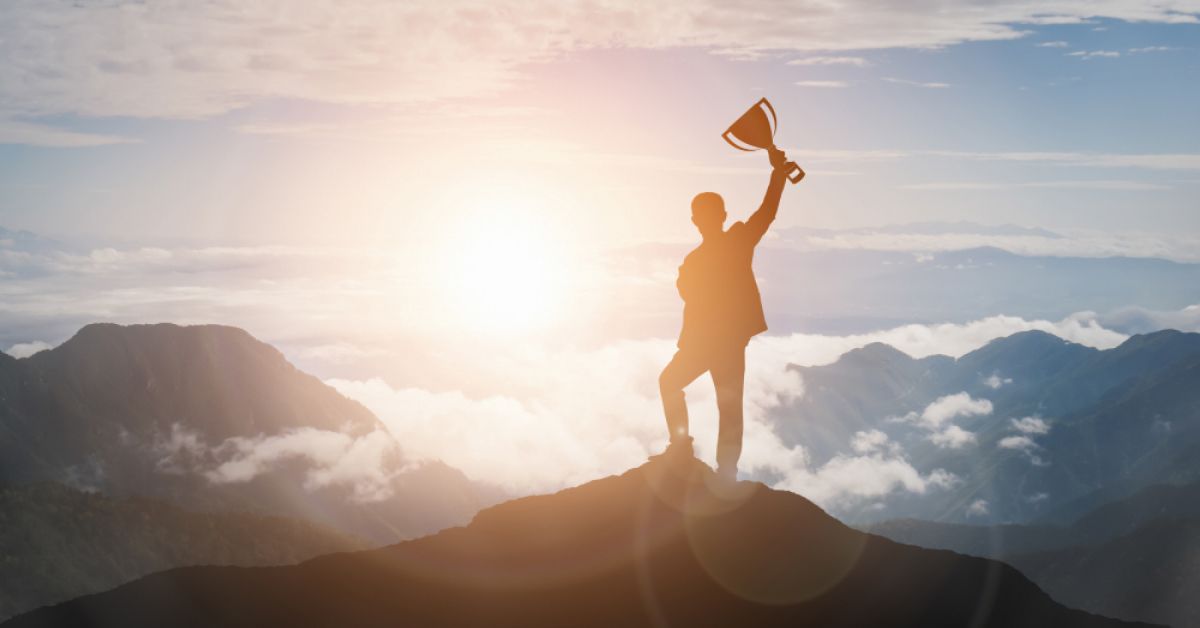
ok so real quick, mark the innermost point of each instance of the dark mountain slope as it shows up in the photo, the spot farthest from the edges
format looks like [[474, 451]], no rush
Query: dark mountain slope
[[110, 386], [57, 543], [1151, 574], [1110, 521], [647, 548], [151, 409], [1135, 558], [1105, 423]]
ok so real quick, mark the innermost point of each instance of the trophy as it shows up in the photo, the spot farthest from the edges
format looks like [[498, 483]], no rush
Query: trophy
[[756, 130]]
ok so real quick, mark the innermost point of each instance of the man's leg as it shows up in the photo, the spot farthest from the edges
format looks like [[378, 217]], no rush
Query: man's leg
[[729, 377], [682, 370]]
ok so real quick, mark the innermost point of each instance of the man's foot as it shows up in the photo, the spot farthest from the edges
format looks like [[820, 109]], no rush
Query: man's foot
[[727, 475], [679, 449]]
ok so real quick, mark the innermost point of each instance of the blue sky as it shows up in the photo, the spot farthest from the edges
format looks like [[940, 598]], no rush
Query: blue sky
[[1087, 124]]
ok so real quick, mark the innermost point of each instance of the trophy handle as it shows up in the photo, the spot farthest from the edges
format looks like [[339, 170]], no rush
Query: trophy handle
[[774, 120], [725, 136], [794, 172]]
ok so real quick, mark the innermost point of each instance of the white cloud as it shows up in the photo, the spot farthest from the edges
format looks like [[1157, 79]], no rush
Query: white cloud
[[1020, 443], [994, 381], [1151, 49], [1138, 320], [952, 437], [949, 407], [846, 478], [1152, 161], [868, 442], [978, 508], [1094, 184], [17, 132], [1179, 247], [367, 464], [1094, 54], [561, 437], [196, 59], [1031, 425], [1053, 44], [1037, 498], [932, 85], [937, 418], [823, 84], [26, 349], [834, 60]]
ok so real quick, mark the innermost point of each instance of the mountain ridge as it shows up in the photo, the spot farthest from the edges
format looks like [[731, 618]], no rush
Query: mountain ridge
[[154, 410], [661, 544]]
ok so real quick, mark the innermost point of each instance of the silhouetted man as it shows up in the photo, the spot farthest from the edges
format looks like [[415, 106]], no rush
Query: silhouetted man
[[722, 310]]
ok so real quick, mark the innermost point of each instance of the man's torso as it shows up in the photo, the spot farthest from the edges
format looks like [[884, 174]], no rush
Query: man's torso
[[722, 305]]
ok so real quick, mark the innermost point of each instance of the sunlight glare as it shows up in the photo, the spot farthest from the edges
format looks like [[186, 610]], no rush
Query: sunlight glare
[[508, 272]]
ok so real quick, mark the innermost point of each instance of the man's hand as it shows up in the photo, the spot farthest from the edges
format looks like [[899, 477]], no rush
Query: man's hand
[[778, 158]]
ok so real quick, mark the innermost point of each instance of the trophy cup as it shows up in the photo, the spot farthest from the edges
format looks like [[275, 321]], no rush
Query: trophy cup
[[756, 130]]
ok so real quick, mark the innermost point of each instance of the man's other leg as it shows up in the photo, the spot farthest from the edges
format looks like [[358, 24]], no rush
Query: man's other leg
[[682, 370], [729, 377]]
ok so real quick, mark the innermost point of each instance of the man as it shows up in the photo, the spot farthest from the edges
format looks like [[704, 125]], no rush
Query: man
[[722, 310]]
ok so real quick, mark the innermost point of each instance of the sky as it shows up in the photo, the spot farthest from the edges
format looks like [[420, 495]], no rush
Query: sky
[[471, 209]]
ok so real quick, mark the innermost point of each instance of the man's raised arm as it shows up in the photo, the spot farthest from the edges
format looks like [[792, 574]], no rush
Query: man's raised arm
[[762, 219]]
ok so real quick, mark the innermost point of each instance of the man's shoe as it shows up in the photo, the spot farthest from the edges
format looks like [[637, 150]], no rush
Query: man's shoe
[[679, 449], [727, 475]]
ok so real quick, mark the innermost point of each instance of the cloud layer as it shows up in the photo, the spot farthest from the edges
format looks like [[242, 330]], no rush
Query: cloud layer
[[192, 59], [578, 415]]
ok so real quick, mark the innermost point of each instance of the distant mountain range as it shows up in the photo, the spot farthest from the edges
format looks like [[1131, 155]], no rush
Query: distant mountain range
[[1135, 558], [57, 543], [858, 291], [658, 545], [154, 410], [1066, 427]]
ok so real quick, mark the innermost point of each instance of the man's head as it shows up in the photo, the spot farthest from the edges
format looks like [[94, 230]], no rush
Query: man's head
[[708, 213]]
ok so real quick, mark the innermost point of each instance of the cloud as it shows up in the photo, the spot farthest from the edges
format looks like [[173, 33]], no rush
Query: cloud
[[1139, 320], [1120, 185], [978, 508], [868, 442], [1183, 247], [846, 478], [854, 61], [26, 349], [1053, 44], [561, 437], [1151, 49], [200, 59], [366, 464], [952, 437], [1027, 428], [937, 418], [1094, 54], [949, 407], [1031, 425], [1150, 161], [932, 85], [17, 132], [994, 381], [1020, 443], [823, 84]]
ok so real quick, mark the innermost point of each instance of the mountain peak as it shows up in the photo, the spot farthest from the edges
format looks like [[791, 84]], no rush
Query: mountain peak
[[662, 544], [876, 352], [1149, 339], [109, 383], [107, 335]]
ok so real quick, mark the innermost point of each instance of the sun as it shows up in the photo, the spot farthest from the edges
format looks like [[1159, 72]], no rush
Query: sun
[[506, 272]]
